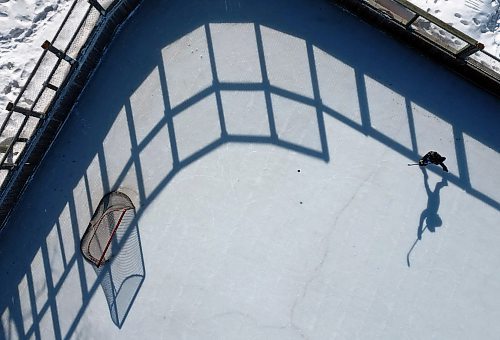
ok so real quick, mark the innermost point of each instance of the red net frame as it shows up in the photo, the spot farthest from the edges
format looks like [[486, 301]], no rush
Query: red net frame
[[99, 243]]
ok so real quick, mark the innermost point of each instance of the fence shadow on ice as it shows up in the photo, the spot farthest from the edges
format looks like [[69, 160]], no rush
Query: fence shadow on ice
[[338, 77]]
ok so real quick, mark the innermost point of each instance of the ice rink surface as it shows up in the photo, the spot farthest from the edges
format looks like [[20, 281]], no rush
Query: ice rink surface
[[265, 145]]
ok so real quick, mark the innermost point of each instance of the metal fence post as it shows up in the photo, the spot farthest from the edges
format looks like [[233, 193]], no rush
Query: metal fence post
[[60, 54], [24, 111], [97, 6], [470, 49], [412, 20], [50, 86]]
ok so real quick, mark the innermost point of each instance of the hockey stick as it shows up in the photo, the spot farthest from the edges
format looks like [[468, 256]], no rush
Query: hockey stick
[[412, 247], [409, 252]]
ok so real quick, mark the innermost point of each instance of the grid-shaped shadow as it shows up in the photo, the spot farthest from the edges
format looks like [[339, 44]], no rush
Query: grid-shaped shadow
[[215, 102]]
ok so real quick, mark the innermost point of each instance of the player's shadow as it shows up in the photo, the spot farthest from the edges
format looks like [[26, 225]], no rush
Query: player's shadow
[[430, 214], [429, 218]]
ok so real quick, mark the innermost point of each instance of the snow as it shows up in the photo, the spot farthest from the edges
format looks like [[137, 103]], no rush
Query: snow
[[272, 192], [479, 19], [24, 26]]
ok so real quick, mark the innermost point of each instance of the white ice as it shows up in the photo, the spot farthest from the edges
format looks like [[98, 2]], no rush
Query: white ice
[[265, 145]]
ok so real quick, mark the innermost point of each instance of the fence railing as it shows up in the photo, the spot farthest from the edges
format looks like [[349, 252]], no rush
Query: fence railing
[[66, 62], [440, 34], [31, 105]]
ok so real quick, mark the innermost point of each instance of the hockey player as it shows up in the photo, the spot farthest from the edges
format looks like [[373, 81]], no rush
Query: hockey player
[[434, 158]]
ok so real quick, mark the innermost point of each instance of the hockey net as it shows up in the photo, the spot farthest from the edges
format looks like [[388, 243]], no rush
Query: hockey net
[[98, 244]]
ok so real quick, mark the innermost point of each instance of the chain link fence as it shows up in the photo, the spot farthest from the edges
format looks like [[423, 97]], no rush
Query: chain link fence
[[66, 62]]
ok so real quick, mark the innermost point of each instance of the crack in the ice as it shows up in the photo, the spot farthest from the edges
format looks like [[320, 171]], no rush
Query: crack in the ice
[[246, 316], [326, 243]]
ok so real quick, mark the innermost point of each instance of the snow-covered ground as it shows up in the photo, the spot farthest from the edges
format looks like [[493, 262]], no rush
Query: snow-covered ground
[[265, 145], [480, 19], [24, 26]]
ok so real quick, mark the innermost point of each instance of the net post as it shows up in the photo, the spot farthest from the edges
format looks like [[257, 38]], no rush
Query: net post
[[111, 237]]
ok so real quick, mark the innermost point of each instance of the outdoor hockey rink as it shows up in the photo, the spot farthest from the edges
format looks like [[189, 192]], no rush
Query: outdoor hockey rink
[[265, 146]]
